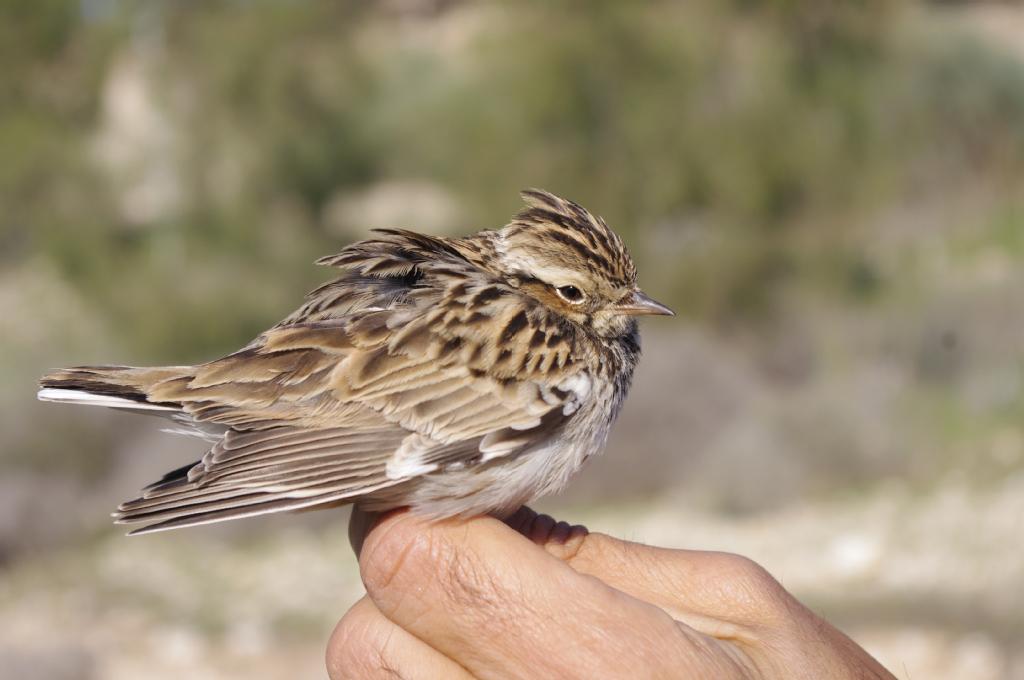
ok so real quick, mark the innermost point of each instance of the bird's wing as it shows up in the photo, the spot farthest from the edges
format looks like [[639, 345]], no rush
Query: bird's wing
[[317, 412], [378, 273]]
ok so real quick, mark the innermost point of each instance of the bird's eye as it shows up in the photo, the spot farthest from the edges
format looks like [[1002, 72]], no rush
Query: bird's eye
[[570, 294]]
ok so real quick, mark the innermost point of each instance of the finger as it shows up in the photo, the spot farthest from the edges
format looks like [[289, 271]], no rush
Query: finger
[[717, 593], [483, 596], [365, 644], [724, 596], [722, 587], [744, 603]]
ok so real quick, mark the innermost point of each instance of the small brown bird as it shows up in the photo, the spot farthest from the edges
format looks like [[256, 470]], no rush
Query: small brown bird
[[458, 376]]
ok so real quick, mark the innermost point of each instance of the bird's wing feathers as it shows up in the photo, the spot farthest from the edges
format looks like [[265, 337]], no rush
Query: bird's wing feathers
[[380, 273], [281, 468], [455, 368]]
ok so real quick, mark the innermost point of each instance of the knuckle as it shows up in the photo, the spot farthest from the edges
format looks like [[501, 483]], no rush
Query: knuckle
[[745, 569], [589, 551], [469, 582], [750, 584], [488, 597]]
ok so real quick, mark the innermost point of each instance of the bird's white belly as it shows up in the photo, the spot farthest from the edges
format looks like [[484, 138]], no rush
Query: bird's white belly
[[503, 485]]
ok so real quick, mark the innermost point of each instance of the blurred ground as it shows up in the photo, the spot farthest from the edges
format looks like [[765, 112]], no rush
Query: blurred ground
[[832, 195], [928, 583]]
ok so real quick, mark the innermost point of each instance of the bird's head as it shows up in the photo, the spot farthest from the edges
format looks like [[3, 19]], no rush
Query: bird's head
[[569, 260]]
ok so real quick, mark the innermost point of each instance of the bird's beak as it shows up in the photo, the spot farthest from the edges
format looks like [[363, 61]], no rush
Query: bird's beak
[[639, 304]]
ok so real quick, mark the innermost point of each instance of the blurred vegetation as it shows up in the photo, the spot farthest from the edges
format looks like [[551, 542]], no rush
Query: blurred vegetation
[[170, 169], [760, 129]]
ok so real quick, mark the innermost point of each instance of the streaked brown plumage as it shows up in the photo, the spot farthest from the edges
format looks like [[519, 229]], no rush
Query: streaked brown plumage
[[458, 376]]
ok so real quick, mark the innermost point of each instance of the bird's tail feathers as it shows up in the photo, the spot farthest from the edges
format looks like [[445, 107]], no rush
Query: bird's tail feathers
[[123, 387]]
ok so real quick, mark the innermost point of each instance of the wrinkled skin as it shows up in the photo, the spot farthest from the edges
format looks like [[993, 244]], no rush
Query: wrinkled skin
[[532, 598]]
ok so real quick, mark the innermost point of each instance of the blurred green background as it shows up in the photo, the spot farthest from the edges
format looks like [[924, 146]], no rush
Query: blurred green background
[[831, 195]]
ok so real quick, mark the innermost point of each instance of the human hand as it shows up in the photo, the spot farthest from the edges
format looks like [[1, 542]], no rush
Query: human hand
[[531, 598]]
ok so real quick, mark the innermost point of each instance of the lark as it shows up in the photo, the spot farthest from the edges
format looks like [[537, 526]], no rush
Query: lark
[[456, 376]]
